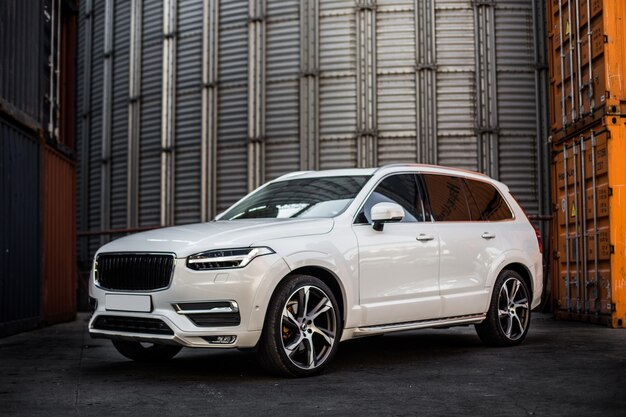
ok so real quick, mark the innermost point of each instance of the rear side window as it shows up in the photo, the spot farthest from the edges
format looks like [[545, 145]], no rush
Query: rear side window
[[400, 189], [486, 202], [447, 198]]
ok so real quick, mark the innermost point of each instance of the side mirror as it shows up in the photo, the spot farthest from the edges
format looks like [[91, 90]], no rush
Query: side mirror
[[382, 213]]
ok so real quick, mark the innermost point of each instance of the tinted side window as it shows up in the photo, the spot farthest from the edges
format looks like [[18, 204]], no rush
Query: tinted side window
[[447, 197], [400, 189], [486, 203]]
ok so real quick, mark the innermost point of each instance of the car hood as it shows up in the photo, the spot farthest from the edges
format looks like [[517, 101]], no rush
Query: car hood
[[193, 238]]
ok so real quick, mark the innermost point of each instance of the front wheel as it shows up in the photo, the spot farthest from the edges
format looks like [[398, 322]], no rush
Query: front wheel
[[146, 352], [508, 317], [302, 328]]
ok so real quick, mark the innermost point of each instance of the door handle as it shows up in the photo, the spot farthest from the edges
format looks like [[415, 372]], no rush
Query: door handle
[[488, 235], [424, 238]]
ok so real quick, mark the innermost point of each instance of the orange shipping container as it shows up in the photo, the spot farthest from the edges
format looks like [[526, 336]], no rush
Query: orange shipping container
[[589, 236], [59, 237], [587, 48]]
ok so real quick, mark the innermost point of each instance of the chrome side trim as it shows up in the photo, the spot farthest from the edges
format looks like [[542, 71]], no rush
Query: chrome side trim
[[420, 324], [233, 308]]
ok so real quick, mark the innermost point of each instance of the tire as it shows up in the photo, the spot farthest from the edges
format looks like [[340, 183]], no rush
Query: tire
[[147, 352], [300, 342], [508, 317]]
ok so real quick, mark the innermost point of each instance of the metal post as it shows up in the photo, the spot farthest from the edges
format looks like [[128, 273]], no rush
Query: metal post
[[486, 89], [571, 61], [367, 135], [595, 224], [168, 112], [85, 126], [567, 236], [134, 113], [563, 95], [107, 104], [585, 282], [52, 66], [57, 73], [425, 82], [210, 53], [309, 80], [478, 59], [581, 105], [576, 225], [256, 94], [592, 103]]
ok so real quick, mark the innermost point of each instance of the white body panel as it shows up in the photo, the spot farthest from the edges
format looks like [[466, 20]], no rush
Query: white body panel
[[387, 279]]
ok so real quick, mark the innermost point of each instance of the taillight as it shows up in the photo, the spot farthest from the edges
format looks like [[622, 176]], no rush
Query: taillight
[[538, 238]]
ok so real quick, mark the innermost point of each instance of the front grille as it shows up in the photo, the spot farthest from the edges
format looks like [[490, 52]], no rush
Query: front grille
[[134, 272], [132, 325], [215, 319]]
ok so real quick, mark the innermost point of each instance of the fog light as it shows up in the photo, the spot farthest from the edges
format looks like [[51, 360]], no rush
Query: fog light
[[220, 340]]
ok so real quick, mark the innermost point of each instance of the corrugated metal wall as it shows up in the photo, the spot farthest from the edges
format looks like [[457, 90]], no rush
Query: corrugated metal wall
[[226, 94]]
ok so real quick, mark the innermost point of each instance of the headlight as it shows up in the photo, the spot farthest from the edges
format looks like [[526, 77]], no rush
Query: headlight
[[225, 258]]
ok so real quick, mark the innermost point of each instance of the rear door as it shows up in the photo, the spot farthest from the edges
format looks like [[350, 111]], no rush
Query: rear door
[[469, 241]]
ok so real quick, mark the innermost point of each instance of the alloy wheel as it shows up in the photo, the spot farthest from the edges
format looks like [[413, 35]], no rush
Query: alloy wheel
[[308, 327], [513, 308]]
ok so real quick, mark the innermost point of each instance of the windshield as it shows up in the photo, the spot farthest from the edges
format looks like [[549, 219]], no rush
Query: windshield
[[299, 198]]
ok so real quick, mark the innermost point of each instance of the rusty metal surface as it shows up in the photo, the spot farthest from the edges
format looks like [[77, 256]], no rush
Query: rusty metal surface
[[59, 237]]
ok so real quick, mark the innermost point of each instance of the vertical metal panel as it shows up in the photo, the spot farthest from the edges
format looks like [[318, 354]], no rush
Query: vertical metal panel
[[208, 160], [168, 111], [83, 128], [395, 80], [107, 105], [282, 143], [134, 112], [257, 77], [119, 123], [188, 112], [232, 117], [456, 141], [517, 105], [366, 97], [309, 85], [20, 233], [150, 133], [59, 237], [96, 123], [426, 81], [337, 85], [20, 60]]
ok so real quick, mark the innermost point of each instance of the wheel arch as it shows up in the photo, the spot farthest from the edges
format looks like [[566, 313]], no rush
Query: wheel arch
[[328, 278], [523, 271]]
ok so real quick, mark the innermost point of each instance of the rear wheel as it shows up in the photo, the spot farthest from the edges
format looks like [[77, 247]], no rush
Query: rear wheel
[[146, 352], [508, 317], [302, 328]]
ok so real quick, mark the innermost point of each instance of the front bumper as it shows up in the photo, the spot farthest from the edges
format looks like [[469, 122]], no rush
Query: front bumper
[[245, 287]]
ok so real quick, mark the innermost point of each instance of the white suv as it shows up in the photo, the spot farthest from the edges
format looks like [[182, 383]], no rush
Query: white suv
[[313, 258]]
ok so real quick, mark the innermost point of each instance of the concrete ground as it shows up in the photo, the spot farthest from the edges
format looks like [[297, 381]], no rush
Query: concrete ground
[[562, 369]]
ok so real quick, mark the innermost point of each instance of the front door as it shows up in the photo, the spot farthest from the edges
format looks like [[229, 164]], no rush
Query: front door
[[398, 266]]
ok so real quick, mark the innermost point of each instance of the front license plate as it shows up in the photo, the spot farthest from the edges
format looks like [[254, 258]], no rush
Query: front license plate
[[122, 302]]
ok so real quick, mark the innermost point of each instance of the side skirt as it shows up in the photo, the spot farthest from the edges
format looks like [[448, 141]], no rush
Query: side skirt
[[413, 325]]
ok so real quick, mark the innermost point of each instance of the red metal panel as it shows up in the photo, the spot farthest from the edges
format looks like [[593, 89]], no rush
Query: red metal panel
[[59, 237]]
